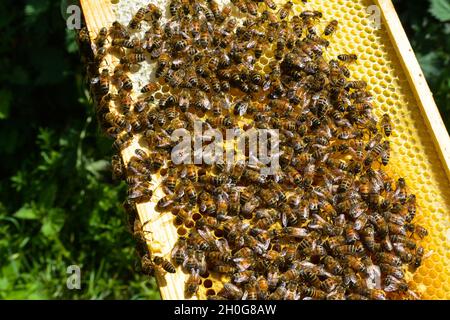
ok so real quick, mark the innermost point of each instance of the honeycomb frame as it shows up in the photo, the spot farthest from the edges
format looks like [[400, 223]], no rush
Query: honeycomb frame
[[420, 144]]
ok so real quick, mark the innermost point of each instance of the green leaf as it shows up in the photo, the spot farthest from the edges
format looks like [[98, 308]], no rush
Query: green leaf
[[5, 103], [429, 64], [71, 43], [52, 223], [48, 195], [19, 75], [4, 284], [96, 167], [26, 213], [440, 9]]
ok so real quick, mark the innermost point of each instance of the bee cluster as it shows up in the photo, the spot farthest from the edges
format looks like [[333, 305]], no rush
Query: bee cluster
[[331, 223]]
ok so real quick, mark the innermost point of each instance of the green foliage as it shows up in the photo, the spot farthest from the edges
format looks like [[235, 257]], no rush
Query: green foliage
[[427, 24], [440, 9], [58, 204]]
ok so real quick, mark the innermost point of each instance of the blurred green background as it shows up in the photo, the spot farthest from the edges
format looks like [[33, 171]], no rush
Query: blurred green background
[[58, 204]]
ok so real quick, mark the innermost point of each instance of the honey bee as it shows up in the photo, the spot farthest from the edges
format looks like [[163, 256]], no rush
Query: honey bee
[[226, 10], [174, 7], [192, 283], [252, 8], [135, 22], [313, 293], [388, 258], [351, 235], [332, 265], [241, 106], [392, 284], [291, 291], [311, 14], [391, 270], [119, 31], [138, 232], [150, 87], [147, 265], [101, 38], [140, 192], [243, 276], [219, 256], [178, 253], [349, 58], [385, 154], [418, 256], [386, 125], [165, 264], [231, 291], [240, 4], [83, 36], [350, 249], [174, 78], [201, 101], [104, 81], [118, 169], [214, 7], [182, 44], [124, 81], [124, 43], [234, 201], [378, 150], [132, 59], [165, 201], [331, 27], [122, 141], [207, 204], [270, 4], [417, 230], [400, 193], [356, 85], [279, 293], [190, 172], [100, 56], [345, 184], [153, 11]]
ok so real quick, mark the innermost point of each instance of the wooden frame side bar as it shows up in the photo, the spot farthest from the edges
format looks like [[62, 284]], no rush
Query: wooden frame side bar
[[417, 82]]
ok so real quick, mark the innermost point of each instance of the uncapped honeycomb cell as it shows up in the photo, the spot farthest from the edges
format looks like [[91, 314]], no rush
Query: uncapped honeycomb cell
[[413, 154]]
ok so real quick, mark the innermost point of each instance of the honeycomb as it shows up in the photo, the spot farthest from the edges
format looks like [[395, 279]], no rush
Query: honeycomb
[[413, 153]]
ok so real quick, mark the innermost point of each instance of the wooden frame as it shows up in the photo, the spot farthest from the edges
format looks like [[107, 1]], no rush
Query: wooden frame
[[98, 13], [417, 82]]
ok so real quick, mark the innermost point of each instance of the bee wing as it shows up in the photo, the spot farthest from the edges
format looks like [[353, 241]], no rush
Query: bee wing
[[174, 252], [428, 254], [222, 245], [95, 80], [356, 210], [413, 294], [284, 219], [242, 263], [206, 235], [373, 279], [265, 245]]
